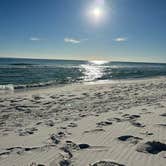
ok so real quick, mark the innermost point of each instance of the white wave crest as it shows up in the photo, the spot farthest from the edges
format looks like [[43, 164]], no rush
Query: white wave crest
[[8, 87]]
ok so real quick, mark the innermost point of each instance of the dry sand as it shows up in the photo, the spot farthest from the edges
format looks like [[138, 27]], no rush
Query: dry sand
[[115, 124]]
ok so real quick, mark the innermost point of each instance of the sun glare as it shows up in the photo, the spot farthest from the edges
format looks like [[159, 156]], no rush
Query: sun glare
[[98, 62], [97, 13]]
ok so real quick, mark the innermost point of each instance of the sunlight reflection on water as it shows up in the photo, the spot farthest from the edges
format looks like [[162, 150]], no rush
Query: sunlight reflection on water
[[94, 70]]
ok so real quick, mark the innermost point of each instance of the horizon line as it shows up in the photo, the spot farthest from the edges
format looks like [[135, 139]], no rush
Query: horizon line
[[83, 60]]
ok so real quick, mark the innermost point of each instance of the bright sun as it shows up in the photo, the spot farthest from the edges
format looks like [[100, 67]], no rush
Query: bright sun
[[97, 12]]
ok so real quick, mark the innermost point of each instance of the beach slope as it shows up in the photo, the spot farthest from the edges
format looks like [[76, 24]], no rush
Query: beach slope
[[114, 124]]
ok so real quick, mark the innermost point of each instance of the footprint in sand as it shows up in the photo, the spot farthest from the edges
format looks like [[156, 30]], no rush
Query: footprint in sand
[[106, 163], [65, 162], [164, 115], [137, 124], [130, 139], [146, 133], [21, 150], [131, 117], [94, 131], [56, 138], [34, 164], [68, 148], [50, 123], [152, 147], [72, 124], [103, 123], [27, 131], [116, 119], [161, 125]]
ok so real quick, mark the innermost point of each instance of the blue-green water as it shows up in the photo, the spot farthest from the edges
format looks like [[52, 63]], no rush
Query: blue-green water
[[24, 73]]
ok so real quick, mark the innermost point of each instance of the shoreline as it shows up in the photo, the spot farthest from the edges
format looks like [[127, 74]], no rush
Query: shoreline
[[61, 86], [84, 124]]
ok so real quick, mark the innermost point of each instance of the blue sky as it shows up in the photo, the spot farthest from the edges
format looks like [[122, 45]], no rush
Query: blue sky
[[122, 30]]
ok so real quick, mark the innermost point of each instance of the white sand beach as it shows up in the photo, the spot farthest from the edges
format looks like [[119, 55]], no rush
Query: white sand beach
[[113, 124]]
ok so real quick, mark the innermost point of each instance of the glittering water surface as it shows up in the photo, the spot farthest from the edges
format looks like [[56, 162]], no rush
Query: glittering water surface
[[92, 71]]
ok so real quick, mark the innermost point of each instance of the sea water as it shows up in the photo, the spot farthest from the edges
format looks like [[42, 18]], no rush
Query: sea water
[[18, 73]]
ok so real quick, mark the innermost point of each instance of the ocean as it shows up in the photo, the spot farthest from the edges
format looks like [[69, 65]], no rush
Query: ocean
[[18, 73]]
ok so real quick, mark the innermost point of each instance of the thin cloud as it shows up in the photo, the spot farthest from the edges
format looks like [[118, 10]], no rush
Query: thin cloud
[[35, 39], [72, 40], [120, 39]]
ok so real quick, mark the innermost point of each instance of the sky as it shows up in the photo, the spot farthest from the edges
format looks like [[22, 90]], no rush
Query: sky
[[117, 30]]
